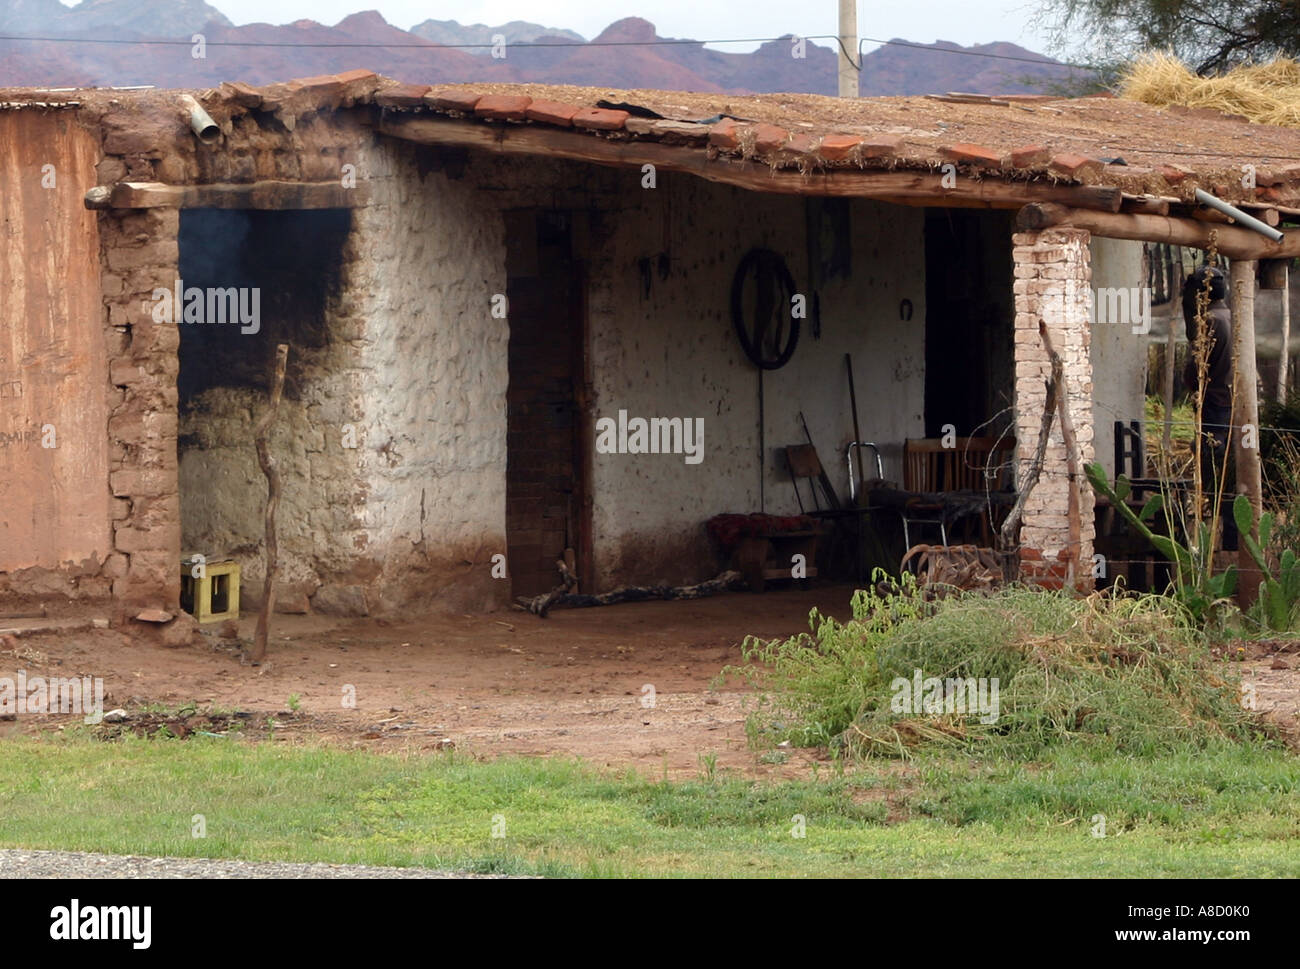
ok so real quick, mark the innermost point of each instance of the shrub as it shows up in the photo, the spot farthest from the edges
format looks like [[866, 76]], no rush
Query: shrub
[[1125, 674]]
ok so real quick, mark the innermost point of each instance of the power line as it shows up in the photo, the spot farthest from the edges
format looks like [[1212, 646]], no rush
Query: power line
[[975, 53], [658, 42]]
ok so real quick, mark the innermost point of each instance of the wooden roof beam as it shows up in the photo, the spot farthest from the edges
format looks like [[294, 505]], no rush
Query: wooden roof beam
[[1231, 241], [253, 195], [898, 186], [1172, 205]]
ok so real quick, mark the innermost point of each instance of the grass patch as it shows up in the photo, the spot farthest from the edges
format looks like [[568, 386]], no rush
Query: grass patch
[[1228, 810]]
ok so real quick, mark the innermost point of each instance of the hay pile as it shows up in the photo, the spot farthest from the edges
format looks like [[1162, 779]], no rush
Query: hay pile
[[1178, 462], [1263, 93]]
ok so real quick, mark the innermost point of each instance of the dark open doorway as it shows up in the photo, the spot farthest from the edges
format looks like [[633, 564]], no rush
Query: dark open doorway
[[253, 279], [969, 316], [547, 457]]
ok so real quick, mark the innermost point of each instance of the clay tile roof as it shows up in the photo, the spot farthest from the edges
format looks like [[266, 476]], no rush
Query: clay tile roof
[[769, 137], [1072, 163], [1015, 137], [452, 100], [502, 107], [725, 135], [402, 96], [599, 119], [551, 112], [1037, 136], [972, 154], [838, 147]]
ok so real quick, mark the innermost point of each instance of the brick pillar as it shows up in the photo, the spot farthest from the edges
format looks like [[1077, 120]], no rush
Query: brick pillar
[[139, 253], [1053, 282]]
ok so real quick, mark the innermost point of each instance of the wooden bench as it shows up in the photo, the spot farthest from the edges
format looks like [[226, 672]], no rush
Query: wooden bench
[[760, 558]]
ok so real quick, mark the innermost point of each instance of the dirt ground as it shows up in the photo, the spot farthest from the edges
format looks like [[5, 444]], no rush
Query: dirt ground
[[491, 684], [503, 683]]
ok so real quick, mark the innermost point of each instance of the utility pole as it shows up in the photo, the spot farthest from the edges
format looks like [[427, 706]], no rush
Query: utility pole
[[848, 48]]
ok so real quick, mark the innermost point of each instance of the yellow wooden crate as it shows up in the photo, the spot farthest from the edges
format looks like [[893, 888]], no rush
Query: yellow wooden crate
[[215, 596]]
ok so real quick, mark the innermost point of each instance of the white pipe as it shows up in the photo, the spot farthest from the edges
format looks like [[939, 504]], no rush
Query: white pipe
[[200, 120], [1249, 221]]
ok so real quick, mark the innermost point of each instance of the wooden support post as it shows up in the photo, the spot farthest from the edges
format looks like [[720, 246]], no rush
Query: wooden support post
[[269, 194], [1167, 378], [261, 437], [1146, 205], [1284, 361], [1274, 274], [1245, 437], [1202, 213]]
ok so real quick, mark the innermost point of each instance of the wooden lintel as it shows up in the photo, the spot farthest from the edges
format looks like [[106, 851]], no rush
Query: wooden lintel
[[900, 187], [1148, 205], [1231, 241], [254, 195]]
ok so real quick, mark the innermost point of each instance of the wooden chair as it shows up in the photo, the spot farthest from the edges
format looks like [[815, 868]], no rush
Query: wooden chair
[[928, 466], [804, 465], [982, 463], [931, 468], [925, 465]]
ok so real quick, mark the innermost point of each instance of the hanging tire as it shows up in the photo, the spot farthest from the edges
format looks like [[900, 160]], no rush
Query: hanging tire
[[761, 262]]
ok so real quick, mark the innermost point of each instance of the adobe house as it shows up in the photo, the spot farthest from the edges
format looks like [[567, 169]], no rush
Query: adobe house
[[470, 278]]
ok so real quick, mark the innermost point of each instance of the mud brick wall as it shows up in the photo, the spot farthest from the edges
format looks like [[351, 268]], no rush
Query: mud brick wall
[[139, 254], [147, 139], [54, 525], [1053, 283]]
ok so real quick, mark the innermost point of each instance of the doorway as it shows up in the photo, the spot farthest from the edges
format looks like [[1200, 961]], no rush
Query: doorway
[[547, 458], [969, 315]]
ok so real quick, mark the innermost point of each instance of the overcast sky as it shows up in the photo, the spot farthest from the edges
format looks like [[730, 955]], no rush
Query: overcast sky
[[925, 21]]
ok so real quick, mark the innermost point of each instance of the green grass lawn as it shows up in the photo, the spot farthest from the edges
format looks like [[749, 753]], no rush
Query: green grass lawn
[[1228, 812]]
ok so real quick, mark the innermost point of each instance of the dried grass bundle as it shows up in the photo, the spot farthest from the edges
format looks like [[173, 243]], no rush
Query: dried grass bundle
[[1263, 93]]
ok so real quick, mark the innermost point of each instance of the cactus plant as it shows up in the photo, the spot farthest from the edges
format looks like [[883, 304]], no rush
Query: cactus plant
[[1195, 583], [1278, 594]]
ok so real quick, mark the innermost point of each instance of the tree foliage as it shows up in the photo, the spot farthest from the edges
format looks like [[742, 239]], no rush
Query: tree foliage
[[1210, 35]]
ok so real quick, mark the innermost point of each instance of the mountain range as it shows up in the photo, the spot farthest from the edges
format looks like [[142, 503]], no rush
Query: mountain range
[[46, 44]]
